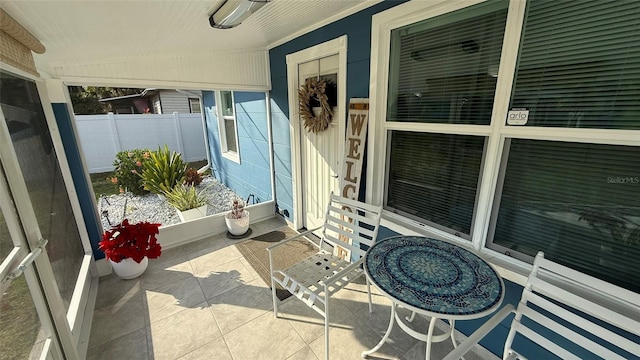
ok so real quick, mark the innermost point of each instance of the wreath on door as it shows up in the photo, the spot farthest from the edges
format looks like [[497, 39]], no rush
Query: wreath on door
[[314, 89]]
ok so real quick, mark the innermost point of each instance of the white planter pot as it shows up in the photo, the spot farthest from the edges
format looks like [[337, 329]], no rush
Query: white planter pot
[[129, 269], [193, 213], [237, 226]]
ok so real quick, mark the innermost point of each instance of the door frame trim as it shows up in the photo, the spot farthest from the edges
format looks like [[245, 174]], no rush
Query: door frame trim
[[337, 46]]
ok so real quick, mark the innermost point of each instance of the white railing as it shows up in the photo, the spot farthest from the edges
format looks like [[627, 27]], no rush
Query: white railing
[[103, 136]]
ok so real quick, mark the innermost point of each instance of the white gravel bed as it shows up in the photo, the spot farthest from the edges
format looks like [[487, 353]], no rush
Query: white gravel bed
[[150, 207]]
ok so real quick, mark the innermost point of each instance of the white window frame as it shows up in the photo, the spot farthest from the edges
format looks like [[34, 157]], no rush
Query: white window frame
[[191, 101], [224, 148], [496, 133]]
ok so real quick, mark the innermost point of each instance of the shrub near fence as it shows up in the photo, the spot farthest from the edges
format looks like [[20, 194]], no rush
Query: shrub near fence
[[103, 136]]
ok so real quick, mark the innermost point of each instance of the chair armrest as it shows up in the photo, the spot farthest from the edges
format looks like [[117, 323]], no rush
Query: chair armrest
[[477, 335], [302, 234]]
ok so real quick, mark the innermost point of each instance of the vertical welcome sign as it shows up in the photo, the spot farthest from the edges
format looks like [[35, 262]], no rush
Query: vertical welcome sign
[[357, 121]]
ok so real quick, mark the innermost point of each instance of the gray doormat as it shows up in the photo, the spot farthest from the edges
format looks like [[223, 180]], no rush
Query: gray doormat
[[255, 251]]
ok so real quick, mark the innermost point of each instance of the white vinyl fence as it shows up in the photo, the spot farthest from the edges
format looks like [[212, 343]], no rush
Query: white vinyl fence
[[103, 136]]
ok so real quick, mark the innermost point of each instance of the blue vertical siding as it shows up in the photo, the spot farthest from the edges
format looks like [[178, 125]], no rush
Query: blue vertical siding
[[252, 176], [357, 27], [80, 181]]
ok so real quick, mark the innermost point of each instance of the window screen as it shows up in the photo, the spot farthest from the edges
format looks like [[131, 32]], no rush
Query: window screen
[[230, 134], [433, 178], [579, 64], [444, 69], [579, 203]]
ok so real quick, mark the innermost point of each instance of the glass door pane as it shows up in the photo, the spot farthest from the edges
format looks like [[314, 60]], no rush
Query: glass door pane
[[38, 162], [22, 335]]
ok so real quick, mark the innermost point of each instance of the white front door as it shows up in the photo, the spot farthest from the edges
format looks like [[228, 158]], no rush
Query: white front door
[[319, 161]]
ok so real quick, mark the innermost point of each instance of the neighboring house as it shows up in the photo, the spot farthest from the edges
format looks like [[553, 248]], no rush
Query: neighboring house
[[508, 126], [156, 101]]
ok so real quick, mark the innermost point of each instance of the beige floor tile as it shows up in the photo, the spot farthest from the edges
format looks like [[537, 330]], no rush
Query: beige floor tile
[[125, 315], [112, 289], [169, 257], [198, 248], [264, 338], [161, 275], [130, 346], [223, 278], [378, 321], [182, 333], [355, 296], [238, 306], [173, 298], [307, 322], [211, 260], [348, 342], [214, 350], [304, 354]]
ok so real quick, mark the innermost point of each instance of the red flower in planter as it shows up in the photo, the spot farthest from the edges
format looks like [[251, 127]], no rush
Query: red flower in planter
[[133, 241]]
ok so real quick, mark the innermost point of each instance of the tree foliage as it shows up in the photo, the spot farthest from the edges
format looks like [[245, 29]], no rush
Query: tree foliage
[[86, 99]]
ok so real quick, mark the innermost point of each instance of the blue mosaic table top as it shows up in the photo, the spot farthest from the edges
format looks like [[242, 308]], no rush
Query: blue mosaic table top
[[435, 276]]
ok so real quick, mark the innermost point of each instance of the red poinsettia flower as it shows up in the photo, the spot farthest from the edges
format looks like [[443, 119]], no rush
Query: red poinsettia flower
[[133, 241]]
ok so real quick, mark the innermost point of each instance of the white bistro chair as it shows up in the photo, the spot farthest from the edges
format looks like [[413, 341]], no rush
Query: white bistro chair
[[348, 223], [555, 313]]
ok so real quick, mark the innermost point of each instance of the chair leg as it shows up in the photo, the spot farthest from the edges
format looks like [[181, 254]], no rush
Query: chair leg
[[275, 298], [326, 327], [273, 287], [369, 293]]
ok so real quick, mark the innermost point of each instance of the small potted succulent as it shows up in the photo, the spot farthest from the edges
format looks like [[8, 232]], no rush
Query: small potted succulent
[[128, 247], [190, 202], [237, 219]]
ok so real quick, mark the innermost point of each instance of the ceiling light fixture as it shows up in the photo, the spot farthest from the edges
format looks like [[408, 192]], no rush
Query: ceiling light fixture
[[233, 12]]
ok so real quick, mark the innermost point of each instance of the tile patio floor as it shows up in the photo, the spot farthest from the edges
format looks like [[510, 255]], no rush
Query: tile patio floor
[[204, 301]]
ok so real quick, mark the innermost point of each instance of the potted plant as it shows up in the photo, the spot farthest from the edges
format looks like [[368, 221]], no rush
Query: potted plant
[[128, 247], [237, 219], [188, 201]]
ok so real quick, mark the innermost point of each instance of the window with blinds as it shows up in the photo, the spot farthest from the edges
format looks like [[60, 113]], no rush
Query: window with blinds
[[576, 202], [444, 69], [433, 178], [579, 64]]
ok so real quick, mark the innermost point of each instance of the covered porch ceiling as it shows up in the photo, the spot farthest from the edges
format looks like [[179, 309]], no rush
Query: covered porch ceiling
[[124, 42]]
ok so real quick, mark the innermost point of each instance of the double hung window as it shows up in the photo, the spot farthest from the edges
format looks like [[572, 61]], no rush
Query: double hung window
[[439, 74], [565, 177], [227, 125]]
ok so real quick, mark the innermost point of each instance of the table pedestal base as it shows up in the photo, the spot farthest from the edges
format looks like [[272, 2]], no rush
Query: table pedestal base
[[429, 337]]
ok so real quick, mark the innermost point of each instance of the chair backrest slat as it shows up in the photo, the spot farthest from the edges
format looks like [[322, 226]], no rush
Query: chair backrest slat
[[565, 311], [349, 223], [542, 341], [570, 334], [346, 224], [579, 321]]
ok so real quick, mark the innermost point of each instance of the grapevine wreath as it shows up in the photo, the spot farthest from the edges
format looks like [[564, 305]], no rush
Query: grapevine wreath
[[314, 88]]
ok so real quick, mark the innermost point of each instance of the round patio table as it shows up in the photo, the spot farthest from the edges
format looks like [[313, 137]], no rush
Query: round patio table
[[434, 278]]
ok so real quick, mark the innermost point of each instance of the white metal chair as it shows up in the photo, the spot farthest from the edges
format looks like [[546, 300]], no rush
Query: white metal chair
[[554, 313], [348, 223]]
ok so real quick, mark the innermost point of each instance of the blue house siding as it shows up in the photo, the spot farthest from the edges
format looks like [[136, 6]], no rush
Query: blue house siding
[[357, 27], [89, 214], [252, 176]]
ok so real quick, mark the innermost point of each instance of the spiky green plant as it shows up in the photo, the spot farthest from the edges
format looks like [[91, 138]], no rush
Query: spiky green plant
[[163, 170], [184, 197]]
